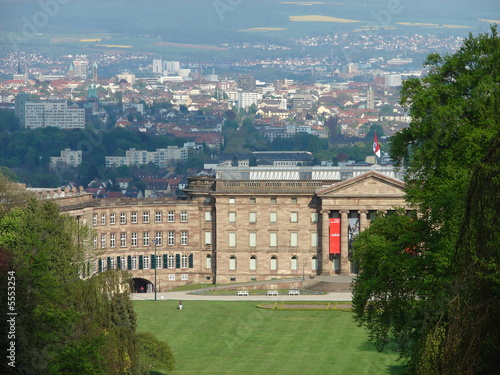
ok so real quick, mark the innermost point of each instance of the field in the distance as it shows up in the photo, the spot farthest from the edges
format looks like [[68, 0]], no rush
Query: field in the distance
[[213, 338]]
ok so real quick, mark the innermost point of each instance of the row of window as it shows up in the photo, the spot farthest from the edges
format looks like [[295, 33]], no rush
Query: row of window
[[273, 217], [146, 262], [273, 263], [134, 217], [145, 239], [271, 200], [273, 239]]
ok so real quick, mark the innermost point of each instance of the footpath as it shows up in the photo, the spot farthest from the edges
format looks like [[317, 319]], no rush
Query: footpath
[[337, 288]]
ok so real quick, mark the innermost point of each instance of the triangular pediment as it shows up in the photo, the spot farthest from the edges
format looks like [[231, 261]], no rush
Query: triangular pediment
[[367, 184]]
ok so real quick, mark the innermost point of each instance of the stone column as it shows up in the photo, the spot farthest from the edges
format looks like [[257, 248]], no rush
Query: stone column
[[344, 243], [325, 243], [363, 221]]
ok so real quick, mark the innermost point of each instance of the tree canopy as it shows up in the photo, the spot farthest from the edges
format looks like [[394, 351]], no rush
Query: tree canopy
[[415, 293]]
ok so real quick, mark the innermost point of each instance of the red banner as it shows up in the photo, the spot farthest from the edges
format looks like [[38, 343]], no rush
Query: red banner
[[334, 236]]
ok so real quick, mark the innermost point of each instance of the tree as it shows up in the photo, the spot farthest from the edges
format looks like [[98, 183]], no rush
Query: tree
[[155, 354], [455, 117], [66, 322]]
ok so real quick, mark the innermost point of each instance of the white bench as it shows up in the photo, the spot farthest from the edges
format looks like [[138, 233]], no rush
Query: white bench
[[243, 292], [294, 292], [272, 292]]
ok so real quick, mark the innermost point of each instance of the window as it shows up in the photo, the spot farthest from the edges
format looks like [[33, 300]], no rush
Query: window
[[133, 217], [111, 263], [314, 263], [171, 277], [171, 238], [273, 217], [103, 241], [274, 263], [103, 219], [95, 242], [208, 238], [171, 261], [253, 200], [158, 238], [123, 263], [145, 217], [293, 200], [294, 263], [145, 238], [134, 239], [232, 201], [232, 239], [294, 239], [123, 239], [253, 239], [208, 261], [145, 262], [158, 217], [123, 218], [273, 239], [314, 239], [232, 217], [253, 263], [208, 216], [294, 217], [171, 216], [134, 262], [112, 219], [314, 217], [184, 237], [158, 262], [273, 200], [112, 240], [232, 263], [184, 216], [252, 217], [94, 220], [184, 276], [184, 261]]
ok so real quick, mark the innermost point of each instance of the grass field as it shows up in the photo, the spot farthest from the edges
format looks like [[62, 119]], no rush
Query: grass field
[[214, 338]]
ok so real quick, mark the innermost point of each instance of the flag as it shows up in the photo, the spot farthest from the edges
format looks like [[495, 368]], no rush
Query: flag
[[376, 146]]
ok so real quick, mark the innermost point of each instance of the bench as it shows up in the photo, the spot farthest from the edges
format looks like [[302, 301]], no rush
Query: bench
[[272, 292], [294, 292], [243, 292]]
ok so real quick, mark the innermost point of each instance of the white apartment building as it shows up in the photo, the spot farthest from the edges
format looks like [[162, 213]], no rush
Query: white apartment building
[[162, 157], [54, 113], [246, 99], [68, 158]]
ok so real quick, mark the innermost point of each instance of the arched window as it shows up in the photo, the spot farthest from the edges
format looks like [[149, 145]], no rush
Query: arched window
[[232, 263], [314, 263], [294, 263], [253, 263], [274, 263], [208, 263]]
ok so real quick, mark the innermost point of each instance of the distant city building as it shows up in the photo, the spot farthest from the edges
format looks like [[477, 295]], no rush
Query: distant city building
[[94, 72], [125, 76], [246, 99], [172, 67], [162, 157], [246, 82], [370, 99], [78, 69], [48, 113], [393, 80], [68, 158], [157, 66], [302, 102]]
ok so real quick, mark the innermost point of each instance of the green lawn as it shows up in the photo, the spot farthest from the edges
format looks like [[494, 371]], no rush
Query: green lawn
[[239, 338]]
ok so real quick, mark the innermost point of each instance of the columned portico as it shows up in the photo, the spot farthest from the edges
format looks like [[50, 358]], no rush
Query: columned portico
[[352, 201]]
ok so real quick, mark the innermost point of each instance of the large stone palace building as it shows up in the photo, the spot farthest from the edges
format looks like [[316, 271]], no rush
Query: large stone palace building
[[244, 224]]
